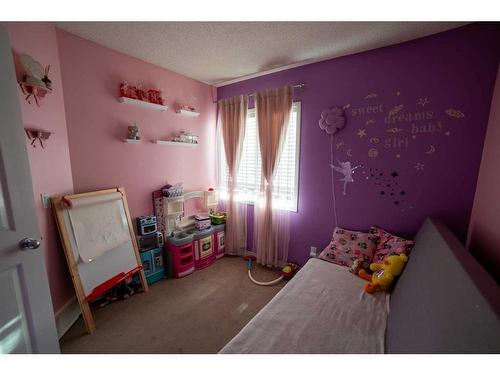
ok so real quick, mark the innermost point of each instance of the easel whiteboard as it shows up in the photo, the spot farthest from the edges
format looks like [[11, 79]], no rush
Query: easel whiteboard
[[99, 243]]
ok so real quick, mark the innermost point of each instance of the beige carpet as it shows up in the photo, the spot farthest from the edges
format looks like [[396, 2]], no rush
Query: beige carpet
[[199, 313]]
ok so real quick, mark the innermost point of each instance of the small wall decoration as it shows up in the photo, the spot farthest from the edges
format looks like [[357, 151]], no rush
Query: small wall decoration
[[332, 120], [454, 113], [35, 82], [138, 93], [37, 135], [133, 132], [347, 170]]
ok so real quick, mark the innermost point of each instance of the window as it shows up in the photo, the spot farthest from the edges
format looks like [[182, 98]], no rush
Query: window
[[285, 189]]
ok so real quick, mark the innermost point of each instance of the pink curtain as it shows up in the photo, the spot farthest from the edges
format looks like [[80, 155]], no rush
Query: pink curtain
[[271, 226], [232, 118]]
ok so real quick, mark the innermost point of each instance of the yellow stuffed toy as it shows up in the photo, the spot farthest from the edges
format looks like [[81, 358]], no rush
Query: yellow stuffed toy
[[384, 274]]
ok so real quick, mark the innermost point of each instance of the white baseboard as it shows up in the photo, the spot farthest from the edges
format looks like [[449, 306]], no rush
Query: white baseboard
[[66, 316]]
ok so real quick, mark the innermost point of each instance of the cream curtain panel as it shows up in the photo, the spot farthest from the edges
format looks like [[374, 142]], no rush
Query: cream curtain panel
[[271, 226], [232, 118]]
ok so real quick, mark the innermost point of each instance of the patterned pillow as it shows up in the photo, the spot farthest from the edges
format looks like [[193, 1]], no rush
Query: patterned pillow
[[347, 245], [389, 244]]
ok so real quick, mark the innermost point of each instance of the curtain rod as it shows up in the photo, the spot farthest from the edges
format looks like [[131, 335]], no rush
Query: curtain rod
[[297, 86]]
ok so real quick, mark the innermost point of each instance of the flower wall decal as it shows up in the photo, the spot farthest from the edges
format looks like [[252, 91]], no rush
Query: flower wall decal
[[332, 120]]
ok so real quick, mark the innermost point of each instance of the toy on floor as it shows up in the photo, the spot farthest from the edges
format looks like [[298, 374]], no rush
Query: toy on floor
[[122, 291], [287, 272], [384, 274]]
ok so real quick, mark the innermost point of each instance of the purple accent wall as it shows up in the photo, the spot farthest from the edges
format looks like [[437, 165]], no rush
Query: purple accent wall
[[428, 161]]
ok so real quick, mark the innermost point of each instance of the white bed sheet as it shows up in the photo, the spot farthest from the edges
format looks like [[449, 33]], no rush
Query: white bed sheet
[[323, 309]]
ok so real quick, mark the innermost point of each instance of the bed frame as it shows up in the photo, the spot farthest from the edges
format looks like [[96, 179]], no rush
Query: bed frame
[[444, 302]]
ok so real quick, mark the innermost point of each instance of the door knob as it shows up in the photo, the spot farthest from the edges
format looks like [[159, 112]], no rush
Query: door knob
[[29, 244]]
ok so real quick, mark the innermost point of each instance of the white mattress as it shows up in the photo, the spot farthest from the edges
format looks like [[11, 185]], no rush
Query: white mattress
[[323, 309]]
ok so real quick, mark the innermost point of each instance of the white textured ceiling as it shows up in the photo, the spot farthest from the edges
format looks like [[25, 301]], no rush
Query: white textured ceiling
[[221, 52]]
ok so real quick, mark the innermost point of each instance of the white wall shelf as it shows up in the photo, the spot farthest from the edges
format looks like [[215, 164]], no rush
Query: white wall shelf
[[132, 141], [187, 113], [170, 143], [142, 103]]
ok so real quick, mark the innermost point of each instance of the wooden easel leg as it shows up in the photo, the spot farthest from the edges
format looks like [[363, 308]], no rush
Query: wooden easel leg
[[144, 281], [87, 317]]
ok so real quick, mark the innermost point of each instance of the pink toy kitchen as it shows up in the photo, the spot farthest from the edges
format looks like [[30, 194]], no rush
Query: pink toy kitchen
[[194, 233]]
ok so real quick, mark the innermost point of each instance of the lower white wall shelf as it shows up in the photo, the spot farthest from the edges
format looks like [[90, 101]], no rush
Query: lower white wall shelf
[[170, 143], [187, 113], [142, 103], [133, 141]]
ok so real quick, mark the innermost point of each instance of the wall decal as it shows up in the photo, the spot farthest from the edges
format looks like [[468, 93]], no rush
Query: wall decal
[[346, 106], [349, 153], [419, 167], [370, 121], [394, 130], [373, 152], [398, 156], [431, 150], [454, 113], [347, 170], [368, 110], [332, 120], [423, 101], [447, 133], [371, 96], [374, 140], [396, 142], [394, 111], [361, 133], [340, 144], [398, 93]]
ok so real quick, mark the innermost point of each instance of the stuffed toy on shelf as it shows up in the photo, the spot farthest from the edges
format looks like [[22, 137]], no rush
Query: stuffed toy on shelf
[[384, 274]]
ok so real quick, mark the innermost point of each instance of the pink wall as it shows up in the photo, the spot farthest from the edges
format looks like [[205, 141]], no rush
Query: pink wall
[[50, 167], [97, 123], [484, 230]]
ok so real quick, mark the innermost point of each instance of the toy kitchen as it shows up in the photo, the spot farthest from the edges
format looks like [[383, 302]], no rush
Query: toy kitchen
[[191, 242]]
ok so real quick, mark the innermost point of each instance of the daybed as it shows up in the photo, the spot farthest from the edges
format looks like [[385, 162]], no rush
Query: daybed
[[444, 302]]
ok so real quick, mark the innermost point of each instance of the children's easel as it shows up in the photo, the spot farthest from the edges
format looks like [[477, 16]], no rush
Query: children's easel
[[99, 244]]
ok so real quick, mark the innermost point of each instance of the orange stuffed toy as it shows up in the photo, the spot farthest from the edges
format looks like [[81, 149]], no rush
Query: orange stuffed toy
[[384, 274]]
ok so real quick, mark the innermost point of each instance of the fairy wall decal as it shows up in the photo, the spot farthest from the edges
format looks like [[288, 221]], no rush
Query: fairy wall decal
[[347, 170]]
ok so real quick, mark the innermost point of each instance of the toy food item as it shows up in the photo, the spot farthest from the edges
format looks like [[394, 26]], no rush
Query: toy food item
[[289, 270], [384, 274]]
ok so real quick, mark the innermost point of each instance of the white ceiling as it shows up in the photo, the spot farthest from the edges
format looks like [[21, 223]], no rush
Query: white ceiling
[[219, 53]]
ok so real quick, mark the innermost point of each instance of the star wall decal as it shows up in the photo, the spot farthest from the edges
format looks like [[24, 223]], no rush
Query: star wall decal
[[423, 101], [361, 133], [419, 167]]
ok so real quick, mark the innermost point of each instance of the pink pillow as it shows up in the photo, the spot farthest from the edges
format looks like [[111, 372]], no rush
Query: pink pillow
[[389, 244], [347, 245]]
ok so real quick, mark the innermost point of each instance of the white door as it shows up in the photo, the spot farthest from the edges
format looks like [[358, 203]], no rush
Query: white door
[[26, 316]]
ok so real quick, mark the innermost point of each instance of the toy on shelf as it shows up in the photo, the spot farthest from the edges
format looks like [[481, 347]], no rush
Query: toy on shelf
[[37, 135], [384, 274], [133, 133], [35, 82], [138, 93], [218, 218], [173, 191], [187, 110], [184, 137]]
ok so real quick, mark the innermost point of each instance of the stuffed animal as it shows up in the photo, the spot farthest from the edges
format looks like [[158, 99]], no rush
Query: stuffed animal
[[384, 274]]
